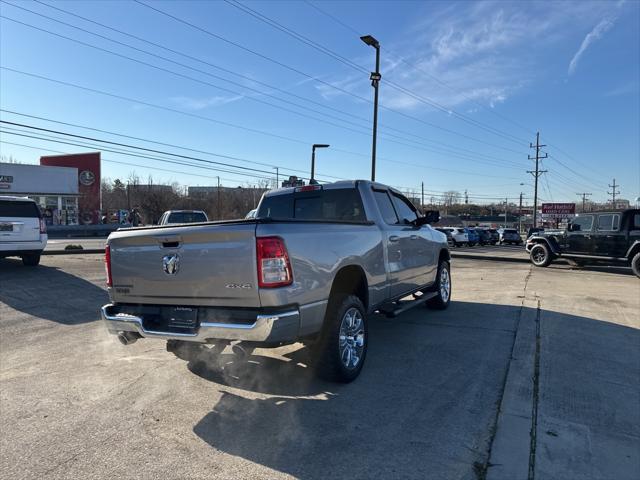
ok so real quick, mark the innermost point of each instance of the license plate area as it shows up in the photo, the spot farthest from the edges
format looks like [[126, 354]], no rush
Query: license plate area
[[6, 227], [173, 320]]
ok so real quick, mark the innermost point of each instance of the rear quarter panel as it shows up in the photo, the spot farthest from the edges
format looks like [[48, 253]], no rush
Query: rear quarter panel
[[317, 252]]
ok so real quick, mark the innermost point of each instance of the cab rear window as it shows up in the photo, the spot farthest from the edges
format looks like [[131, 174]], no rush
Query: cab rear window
[[186, 217], [342, 205], [18, 209]]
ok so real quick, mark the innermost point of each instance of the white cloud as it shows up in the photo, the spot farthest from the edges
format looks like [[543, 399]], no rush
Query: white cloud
[[192, 103], [464, 53], [596, 33], [631, 87]]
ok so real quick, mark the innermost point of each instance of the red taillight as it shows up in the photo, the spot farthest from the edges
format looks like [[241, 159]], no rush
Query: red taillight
[[274, 268], [309, 188], [43, 226], [107, 264]]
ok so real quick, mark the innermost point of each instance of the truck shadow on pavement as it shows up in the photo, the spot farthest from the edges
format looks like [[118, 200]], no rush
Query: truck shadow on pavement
[[49, 293], [425, 405]]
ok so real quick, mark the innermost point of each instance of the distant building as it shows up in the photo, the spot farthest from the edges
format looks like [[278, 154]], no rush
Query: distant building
[[55, 189], [157, 188], [202, 191]]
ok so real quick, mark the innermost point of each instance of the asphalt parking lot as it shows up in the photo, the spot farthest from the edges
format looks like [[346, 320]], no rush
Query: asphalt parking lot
[[531, 373]]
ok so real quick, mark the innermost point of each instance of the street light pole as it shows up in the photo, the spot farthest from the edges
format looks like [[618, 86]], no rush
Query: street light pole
[[375, 83], [313, 160]]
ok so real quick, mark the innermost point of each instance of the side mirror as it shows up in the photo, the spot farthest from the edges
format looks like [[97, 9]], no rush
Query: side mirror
[[430, 216], [574, 227]]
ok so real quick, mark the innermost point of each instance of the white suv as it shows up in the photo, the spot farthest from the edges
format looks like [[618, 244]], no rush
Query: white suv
[[22, 229], [459, 236]]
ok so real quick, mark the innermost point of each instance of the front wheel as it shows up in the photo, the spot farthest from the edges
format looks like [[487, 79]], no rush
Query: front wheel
[[635, 264], [342, 348], [540, 255], [443, 288]]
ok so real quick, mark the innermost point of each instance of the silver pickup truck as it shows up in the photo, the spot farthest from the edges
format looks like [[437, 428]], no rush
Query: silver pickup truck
[[310, 268]]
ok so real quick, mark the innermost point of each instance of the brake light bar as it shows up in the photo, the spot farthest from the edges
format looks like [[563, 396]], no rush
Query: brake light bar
[[308, 188], [107, 265], [274, 267]]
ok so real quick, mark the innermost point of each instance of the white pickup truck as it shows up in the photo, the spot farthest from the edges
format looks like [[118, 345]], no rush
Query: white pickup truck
[[311, 267]]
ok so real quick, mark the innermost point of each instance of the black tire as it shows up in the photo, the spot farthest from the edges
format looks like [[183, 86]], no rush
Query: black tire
[[456, 244], [540, 255], [635, 264], [440, 302], [31, 260], [330, 361]]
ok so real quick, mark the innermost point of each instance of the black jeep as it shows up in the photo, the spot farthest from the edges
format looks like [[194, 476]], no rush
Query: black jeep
[[612, 237]]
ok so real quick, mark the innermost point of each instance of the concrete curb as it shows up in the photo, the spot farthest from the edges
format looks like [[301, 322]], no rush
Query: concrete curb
[[491, 258], [511, 448], [84, 251]]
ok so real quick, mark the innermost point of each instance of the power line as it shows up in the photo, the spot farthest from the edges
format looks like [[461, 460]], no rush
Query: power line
[[450, 149], [150, 157], [317, 46], [328, 84], [109, 160], [164, 144], [416, 67], [361, 132], [173, 110]]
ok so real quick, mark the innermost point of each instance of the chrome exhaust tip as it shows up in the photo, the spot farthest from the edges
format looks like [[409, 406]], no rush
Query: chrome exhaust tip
[[127, 338]]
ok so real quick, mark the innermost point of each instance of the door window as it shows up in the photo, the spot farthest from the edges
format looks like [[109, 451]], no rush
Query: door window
[[405, 210], [385, 206], [608, 223], [636, 222], [583, 224]]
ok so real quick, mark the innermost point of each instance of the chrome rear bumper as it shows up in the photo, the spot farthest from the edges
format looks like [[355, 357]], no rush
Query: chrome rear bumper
[[268, 327]]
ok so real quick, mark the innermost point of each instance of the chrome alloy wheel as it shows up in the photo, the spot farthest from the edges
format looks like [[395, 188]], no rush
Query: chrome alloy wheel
[[352, 338], [445, 284]]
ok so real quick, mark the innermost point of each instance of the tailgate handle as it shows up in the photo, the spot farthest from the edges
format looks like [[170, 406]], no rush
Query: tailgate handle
[[170, 244]]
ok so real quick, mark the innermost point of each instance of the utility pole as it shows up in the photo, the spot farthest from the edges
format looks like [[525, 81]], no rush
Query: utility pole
[[422, 198], [505, 212], [536, 174], [613, 192], [277, 177], [466, 197], [584, 196], [218, 193], [520, 215]]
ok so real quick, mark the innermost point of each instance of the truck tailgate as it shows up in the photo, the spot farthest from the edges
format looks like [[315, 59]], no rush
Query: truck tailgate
[[211, 264]]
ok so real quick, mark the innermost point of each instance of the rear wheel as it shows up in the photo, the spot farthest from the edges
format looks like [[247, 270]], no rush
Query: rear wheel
[[31, 259], [635, 264], [540, 255], [342, 347], [443, 288]]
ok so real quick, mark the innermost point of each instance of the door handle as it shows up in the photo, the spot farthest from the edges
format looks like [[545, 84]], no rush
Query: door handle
[[394, 238]]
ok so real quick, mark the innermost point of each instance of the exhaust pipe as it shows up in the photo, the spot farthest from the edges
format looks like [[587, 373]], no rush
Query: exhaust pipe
[[127, 338], [242, 352]]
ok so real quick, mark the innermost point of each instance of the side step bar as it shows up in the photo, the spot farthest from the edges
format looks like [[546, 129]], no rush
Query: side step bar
[[392, 310]]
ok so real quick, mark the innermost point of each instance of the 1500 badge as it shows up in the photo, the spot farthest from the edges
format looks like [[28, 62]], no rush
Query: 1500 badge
[[239, 285]]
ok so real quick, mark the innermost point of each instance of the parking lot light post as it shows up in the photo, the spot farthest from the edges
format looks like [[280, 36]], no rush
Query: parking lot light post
[[375, 83], [313, 160]]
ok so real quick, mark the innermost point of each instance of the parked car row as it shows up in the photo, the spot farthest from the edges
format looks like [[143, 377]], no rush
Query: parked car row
[[470, 236]]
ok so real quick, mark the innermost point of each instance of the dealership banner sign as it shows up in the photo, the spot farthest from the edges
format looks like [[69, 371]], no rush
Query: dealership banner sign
[[558, 210]]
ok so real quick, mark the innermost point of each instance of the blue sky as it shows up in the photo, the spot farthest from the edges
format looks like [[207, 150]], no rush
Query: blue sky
[[465, 87]]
